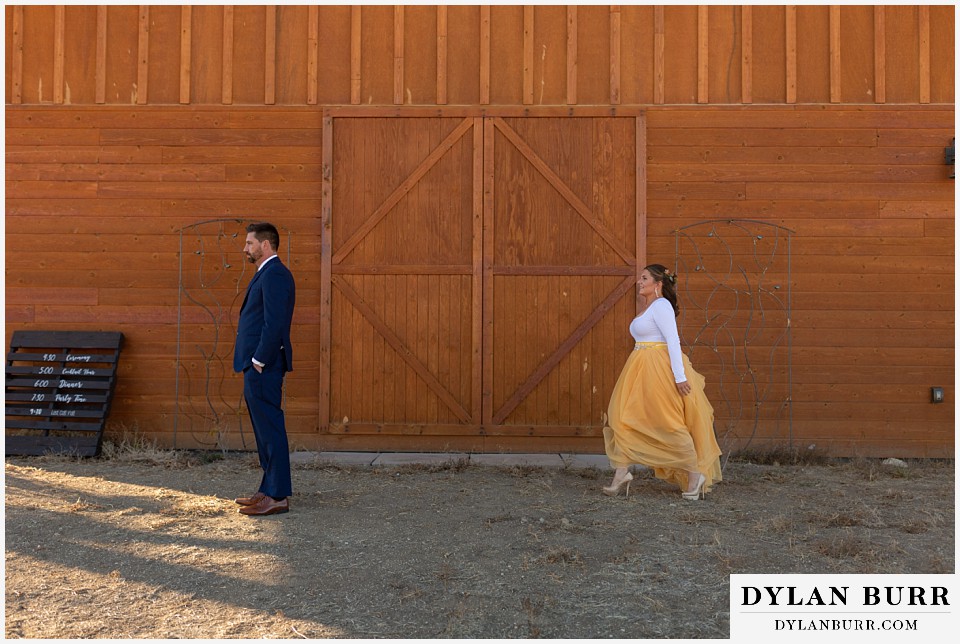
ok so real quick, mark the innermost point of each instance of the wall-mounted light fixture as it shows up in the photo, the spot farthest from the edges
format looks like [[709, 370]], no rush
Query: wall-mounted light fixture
[[948, 155]]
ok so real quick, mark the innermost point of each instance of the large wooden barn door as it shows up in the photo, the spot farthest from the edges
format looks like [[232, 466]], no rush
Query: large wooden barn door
[[477, 278], [561, 242]]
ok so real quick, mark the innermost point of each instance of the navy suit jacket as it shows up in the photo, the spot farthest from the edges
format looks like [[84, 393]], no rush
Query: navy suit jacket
[[264, 328]]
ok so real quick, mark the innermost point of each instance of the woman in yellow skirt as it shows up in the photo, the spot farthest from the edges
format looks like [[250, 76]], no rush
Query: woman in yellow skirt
[[659, 415]]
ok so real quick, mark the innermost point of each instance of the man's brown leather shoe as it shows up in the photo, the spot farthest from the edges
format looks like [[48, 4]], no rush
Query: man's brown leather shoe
[[265, 506], [250, 500]]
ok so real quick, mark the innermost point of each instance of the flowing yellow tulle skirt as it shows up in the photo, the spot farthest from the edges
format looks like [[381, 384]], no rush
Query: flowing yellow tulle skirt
[[650, 423]]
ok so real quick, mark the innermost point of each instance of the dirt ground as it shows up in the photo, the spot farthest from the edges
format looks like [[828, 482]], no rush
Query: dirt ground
[[151, 546]]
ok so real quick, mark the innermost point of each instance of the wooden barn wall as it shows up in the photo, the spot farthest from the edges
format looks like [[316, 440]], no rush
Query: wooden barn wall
[[866, 193], [104, 193], [831, 121], [478, 55], [95, 199]]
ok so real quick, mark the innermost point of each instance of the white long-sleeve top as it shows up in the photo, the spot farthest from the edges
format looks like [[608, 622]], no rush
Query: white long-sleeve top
[[658, 324]]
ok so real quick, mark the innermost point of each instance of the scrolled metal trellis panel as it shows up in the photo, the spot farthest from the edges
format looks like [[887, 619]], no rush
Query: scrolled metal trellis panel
[[207, 294], [735, 306]]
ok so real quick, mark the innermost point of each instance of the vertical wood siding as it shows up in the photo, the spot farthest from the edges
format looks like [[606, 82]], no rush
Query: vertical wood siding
[[538, 55]]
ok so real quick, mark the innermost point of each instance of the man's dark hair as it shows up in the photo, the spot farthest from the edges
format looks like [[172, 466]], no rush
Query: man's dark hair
[[266, 232]]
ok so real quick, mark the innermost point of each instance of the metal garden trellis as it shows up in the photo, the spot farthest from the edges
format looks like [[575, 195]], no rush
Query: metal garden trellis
[[215, 352], [733, 299]]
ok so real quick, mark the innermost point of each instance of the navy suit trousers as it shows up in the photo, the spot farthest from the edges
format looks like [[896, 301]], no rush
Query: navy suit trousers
[[263, 393]]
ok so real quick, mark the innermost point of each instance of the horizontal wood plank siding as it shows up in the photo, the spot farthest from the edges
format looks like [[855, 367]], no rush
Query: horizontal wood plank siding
[[863, 362], [130, 179], [864, 188]]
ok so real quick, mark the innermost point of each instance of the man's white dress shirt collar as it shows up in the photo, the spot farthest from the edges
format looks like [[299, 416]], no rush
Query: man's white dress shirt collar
[[259, 268]]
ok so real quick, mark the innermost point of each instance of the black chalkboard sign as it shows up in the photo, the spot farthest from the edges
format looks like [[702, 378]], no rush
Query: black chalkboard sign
[[59, 389]]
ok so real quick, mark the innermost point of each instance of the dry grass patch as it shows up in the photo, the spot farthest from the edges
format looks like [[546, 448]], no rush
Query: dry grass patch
[[83, 506]]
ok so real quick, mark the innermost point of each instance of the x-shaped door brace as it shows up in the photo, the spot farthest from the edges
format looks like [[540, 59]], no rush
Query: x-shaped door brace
[[394, 341]]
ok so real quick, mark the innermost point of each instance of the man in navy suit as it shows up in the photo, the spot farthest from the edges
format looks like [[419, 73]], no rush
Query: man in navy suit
[[264, 354]]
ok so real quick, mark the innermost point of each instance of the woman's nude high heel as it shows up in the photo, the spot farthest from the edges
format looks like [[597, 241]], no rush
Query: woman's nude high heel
[[697, 492], [614, 489]]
